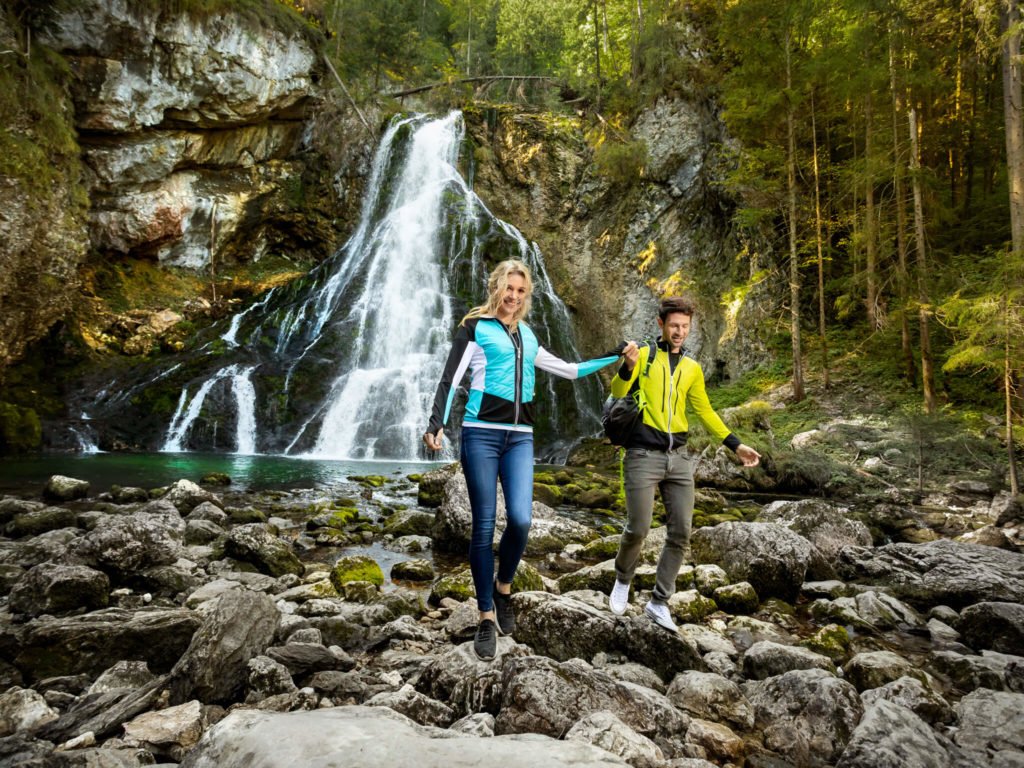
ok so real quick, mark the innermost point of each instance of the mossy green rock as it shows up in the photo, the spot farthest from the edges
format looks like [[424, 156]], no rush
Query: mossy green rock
[[740, 598], [527, 579], [360, 591], [457, 585], [832, 641], [243, 515], [412, 570], [40, 521], [20, 429], [356, 568], [342, 518], [371, 481], [215, 478], [690, 606], [547, 494], [604, 548], [409, 523], [597, 498]]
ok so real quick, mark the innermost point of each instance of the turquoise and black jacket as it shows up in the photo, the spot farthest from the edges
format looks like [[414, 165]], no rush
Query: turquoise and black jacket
[[501, 363]]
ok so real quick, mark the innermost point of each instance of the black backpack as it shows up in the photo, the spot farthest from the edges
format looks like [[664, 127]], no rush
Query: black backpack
[[622, 415]]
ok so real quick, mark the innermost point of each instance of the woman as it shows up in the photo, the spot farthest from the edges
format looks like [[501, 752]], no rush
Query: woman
[[501, 353]]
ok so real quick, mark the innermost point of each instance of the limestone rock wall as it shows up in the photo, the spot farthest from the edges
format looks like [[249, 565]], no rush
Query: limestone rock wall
[[613, 249], [185, 123]]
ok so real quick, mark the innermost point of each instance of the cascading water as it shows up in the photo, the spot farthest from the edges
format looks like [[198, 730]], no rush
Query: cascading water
[[343, 363]]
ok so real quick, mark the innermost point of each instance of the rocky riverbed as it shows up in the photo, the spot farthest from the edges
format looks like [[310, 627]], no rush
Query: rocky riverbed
[[198, 626]]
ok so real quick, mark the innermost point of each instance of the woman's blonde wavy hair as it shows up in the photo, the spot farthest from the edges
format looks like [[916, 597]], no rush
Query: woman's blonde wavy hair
[[497, 283]]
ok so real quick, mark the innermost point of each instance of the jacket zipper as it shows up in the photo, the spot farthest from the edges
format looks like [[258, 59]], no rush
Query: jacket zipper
[[519, 369], [668, 368]]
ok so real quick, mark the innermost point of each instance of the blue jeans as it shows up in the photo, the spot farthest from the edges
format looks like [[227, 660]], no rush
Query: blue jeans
[[489, 455]]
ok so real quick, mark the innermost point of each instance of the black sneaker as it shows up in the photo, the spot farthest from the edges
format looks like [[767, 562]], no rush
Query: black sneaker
[[503, 608], [486, 640]]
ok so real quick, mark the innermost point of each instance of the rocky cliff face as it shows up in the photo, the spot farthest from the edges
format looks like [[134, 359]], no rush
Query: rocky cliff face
[[186, 124], [42, 199], [614, 247], [189, 144]]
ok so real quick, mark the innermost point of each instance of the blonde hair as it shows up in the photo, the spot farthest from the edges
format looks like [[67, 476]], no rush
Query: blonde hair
[[497, 283]]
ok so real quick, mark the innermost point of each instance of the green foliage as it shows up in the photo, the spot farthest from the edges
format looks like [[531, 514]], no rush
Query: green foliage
[[621, 163], [38, 145], [20, 429]]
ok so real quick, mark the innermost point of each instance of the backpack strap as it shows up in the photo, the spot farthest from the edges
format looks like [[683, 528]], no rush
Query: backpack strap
[[652, 350]]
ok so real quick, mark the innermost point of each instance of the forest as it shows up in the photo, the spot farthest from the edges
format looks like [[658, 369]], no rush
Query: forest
[[879, 146]]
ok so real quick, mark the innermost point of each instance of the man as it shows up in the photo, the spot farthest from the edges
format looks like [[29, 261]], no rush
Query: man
[[656, 454]]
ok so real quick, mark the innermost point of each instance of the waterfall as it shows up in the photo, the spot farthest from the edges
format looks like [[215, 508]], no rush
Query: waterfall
[[245, 398], [343, 363], [189, 409]]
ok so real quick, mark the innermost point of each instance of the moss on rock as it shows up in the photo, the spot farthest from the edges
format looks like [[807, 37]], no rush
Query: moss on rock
[[457, 585], [356, 568]]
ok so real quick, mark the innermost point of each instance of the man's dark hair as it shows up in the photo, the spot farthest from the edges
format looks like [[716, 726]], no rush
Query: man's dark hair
[[674, 304]]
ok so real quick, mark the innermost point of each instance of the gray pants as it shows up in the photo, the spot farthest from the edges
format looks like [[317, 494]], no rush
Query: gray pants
[[672, 472]]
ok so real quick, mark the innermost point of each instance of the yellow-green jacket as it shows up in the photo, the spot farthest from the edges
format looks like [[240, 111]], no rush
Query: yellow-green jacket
[[667, 395]]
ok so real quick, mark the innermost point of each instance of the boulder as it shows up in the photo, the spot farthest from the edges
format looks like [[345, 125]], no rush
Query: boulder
[[771, 557], [891, 736], [23, 709], [826, 526], [414, 705], [305, 658], [51, 546], [186, 496], [873, 669], [214, 667], [990, 723], [807, 715], [40, 521], [912, 694], [938, 572], [993, 626], [466, 683], [59, 589], [256, 545], [540, 695], [122, 546], [93, 642], [63, 488], [356, 568], [605, 730], [563, 628], [123, 675], [267, 678], [716, 740], [379, 737], [171, 731], [712, 697], [737, 598], [766, 659], [968, 672], [413, 570]]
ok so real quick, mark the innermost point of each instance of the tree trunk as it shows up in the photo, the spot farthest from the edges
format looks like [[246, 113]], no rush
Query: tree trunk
[[597, 55], [924, 309], [900, 202], [1008, 387], [794, 259], [870, 241], [469, 43], [825, 377], [1013, 121]]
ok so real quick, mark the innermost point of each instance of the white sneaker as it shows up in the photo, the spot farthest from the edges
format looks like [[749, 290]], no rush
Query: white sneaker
[[660, 615], [619, 598]]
